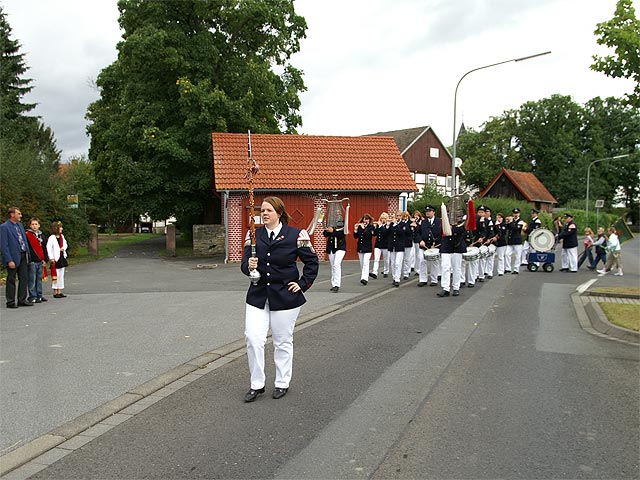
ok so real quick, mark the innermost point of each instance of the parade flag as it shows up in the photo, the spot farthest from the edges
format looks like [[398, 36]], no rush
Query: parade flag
[[622, 229]]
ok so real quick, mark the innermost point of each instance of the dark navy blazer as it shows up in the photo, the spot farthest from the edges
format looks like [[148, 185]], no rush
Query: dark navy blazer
[[10, 244], [277, 266]]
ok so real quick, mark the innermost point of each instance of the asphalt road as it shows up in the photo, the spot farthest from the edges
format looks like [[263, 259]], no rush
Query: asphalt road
[[500, 382]]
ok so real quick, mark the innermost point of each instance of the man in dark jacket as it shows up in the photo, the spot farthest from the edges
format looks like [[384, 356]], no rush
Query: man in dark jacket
[[569, 236], [430, 236], [14, 246]]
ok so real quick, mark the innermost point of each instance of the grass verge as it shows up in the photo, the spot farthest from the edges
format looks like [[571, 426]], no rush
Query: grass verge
[[623, 315]]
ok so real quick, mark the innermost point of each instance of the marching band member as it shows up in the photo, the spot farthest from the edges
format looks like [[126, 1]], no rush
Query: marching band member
[[533, 224], [451, 249], [275, 300], [364, 231], [408, 246], [380, 247], [515, 225], [430, 235], [417, 253], [569, 236], [489, 227], [500, 241], [399, 230], [336, 248]]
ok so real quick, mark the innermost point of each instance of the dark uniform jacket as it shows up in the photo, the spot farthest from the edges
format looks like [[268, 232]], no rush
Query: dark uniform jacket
[[569, 235], [431, 233], [408, 239], [365, 237], [515, 231], [10, 243], [382, 237], [336, 240], [398, 232], [455, 243], [277, 266], [489, 228], [501, 231]]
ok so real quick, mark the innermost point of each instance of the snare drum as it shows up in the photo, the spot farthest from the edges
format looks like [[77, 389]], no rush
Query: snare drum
[[431, 254], [492, 249], [472, 253], [484, 251]]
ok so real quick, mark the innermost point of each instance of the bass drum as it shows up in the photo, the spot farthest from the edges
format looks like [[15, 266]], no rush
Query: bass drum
[[542, 240]]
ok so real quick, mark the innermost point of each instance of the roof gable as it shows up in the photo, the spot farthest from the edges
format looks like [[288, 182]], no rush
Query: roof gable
[[526, 183], [308, 162], [404, 138]]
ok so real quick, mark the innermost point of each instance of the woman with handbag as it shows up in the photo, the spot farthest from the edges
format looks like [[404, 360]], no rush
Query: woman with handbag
[[57, 250]]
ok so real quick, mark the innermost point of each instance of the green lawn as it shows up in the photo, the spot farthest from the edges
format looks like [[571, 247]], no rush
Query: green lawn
[[621, 314]]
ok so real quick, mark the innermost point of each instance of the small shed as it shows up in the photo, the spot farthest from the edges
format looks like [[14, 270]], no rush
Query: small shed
[[521, 186], [305, 170]]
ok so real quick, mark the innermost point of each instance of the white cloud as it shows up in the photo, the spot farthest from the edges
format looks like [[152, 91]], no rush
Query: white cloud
[[370, 65]]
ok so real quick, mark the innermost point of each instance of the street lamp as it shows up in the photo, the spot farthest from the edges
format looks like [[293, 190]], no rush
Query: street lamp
[[455, 100], [588, 178]]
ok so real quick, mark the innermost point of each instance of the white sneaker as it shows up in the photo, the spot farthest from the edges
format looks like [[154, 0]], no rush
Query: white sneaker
[[602, 272], [619, 274]]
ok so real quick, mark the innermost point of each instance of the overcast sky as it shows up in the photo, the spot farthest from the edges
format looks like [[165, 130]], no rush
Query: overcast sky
[[369, 65]]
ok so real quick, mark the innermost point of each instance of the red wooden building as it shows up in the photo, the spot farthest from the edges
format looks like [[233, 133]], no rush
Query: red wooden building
[[303, 170], [521, 186]]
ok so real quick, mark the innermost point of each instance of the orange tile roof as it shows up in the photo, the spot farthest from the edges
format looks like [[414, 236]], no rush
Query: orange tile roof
[[309, 162], [527, 184]]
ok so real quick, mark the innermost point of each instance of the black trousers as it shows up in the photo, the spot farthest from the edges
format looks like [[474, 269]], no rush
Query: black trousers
[[22, 274]]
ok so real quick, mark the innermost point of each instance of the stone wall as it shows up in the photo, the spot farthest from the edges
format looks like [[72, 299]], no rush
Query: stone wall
[[208, 239]]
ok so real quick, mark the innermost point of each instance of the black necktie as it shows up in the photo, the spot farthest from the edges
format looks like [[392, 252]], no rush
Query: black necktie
[[271, 236]]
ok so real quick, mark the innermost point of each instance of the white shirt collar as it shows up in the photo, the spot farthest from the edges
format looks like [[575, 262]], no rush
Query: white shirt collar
[[275, 231]]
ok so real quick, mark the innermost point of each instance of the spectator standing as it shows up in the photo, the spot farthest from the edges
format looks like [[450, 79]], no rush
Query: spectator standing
[[38, 261], [57, 251], [588, 244], [14, 246]]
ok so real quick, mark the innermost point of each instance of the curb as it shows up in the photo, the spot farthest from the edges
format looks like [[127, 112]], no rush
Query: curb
[[93, 423], [593, 320]]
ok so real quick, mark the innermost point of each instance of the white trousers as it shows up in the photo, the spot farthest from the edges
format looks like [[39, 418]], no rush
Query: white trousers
[[513, 251], [257, 323], [396, 260], [418, 256], [451, 271], [365, 258], [429, 270], [377, 253], [569, 257], [408, 256], [501, 255], [524, 255], [472, 271], [489, 263], [335, 260], [59, 283]]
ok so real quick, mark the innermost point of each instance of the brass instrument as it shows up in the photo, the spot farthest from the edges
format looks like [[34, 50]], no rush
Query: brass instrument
[[335, 216]]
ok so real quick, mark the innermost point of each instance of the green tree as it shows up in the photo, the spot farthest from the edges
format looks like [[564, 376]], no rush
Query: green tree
[[486, 152], [78, 177], [186, 68], [14, 124], [621, 33]]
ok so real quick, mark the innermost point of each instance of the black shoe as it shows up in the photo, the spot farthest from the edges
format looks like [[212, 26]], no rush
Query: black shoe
[[471, 285], [489, 277], [456, 293], [279, 392], [514, 273], [396, 284], [364, 282], [12, 305], [422, 284], [417, 274], [25, 304], [385, 275], [406, 277], [481, 280], [462, 284], [42, 299], [563, 270], [252, 394], [335, 289], [37, 300], [433, 284], [443, 293], [373, 275], [507, 271], [62, 295]]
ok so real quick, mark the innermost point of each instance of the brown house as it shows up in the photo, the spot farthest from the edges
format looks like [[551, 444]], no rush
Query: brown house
[[521, 186], [305, 170], [426, 157]]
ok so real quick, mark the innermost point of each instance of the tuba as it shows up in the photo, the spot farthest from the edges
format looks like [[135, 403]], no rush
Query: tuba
[[336, 215], [455, 212]]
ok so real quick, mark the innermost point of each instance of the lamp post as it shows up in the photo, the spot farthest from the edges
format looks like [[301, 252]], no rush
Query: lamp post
[[589, 177], [455, 100]]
